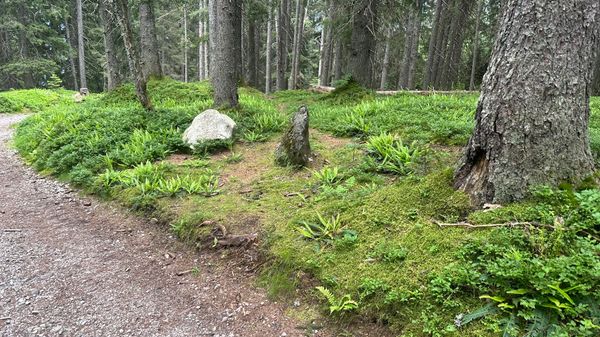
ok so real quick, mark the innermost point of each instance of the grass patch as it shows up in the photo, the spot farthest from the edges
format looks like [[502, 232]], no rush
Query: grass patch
[[360, 224], [34, 100]]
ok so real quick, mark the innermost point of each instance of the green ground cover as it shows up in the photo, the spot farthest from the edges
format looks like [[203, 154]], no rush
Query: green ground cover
[[361, 223]]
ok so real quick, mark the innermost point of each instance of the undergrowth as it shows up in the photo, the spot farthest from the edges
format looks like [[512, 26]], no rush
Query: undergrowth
[[358, 233]]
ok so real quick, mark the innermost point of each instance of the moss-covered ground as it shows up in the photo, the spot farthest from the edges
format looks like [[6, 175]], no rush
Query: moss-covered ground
[[387, 250]]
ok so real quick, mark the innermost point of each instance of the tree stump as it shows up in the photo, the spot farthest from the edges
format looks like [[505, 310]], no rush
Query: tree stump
[[294, 149]]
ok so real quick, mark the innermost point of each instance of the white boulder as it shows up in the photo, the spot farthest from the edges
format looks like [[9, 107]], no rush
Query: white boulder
[[209, 125]]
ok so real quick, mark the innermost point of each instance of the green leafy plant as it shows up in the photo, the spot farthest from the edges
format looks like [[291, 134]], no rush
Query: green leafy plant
[[254, 137], [542, 280], [324, 229], [388, 154], [337, 305], [328, 176], [234, 158]]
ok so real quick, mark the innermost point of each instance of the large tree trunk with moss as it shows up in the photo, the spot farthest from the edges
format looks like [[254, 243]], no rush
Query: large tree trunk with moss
[[362, 46], [149, 42], [226, 52], [532, 118], [122, 14]]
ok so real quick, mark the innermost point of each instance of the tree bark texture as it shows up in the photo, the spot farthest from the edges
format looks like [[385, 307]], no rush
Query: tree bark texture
[[532, 118], [327, 49], [386, 60], [71, 58], [432, 44], [80, 44], [475, 46], [268, 60], [184, 45], [363, 43], [226, 52], [112, 63], [282, 44], [252, 67], [411, 47], [133, 59], [149, 44]]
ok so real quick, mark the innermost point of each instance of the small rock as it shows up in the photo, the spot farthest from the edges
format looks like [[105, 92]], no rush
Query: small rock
[[87, 203]]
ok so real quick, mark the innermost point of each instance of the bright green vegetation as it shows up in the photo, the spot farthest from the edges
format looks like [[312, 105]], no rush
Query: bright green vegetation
[[358, 232], [34, 100]]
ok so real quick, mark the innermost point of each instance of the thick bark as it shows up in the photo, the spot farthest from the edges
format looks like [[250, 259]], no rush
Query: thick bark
[[282, 44], [133, 59], [226, 52], [80, 44], [532, 119], [386, 61], [268, 74], [475, 46], [149, 43], [112, 64], [71, 58], [363, 40]]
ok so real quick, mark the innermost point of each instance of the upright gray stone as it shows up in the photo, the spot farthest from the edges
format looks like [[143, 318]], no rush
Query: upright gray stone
[[294, 148], [209, 125]]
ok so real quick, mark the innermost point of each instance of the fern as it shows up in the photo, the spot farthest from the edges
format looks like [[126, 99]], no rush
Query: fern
[[343, 304]]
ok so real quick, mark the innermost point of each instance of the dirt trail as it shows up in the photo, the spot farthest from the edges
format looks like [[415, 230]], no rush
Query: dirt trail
[[72, 267]]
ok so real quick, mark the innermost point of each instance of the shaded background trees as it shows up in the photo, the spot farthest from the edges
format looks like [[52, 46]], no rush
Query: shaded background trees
[[429, 43]]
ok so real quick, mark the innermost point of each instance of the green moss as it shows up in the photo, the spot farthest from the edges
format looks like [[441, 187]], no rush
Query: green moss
[[391, 249]]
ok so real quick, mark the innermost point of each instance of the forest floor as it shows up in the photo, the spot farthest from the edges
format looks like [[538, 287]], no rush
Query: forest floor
[[75, 267]]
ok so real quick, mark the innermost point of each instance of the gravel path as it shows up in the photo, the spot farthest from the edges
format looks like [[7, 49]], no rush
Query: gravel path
[[72, 267]]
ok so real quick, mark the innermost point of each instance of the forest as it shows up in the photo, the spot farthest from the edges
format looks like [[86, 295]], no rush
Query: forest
[[300, 168]]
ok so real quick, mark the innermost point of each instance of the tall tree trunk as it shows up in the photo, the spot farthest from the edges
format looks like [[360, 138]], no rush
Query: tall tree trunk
[[386, 60], [226, 52], [149, 43], [251, 75], [327, 46], [363, 45], [411, 47], [432, 52], [531, 124], [200, 43], [122, 14], [475, 46], [71, 59], [185, 45], [205, 44], [337, 60], [268, 75], [455, 45], [80, 44], [112, 64], [282, 44], [441, 44], [298, 33]]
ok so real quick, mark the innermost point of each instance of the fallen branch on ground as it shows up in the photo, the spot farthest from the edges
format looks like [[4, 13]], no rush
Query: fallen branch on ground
[[508, 224], [12, 230]]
